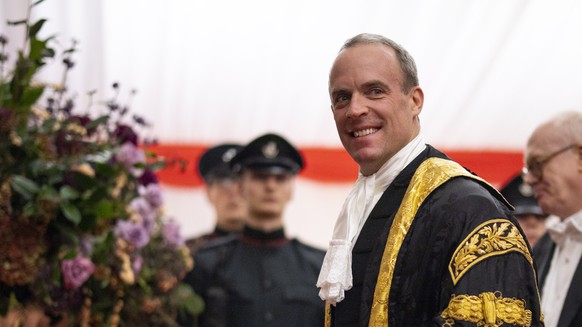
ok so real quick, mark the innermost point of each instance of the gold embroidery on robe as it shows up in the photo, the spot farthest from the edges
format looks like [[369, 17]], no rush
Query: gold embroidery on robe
[[327, 320], [432, 173], [493, 237], [487, 310]]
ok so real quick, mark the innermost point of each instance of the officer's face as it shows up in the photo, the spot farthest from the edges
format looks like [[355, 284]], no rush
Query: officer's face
[[266, 194], [373, 116], [231, 209]]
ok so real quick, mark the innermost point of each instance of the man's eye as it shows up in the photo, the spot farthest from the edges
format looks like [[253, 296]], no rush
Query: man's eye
[[376, 91], [342, 98]]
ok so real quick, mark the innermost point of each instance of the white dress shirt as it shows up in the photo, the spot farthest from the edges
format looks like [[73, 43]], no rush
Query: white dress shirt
[[568, 237]]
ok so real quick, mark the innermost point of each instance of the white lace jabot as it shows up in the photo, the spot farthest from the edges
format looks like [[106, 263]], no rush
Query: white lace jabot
[[335, 276]]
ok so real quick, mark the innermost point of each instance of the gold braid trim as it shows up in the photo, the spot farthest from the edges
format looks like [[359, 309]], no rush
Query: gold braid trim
[[432, 173], [327, 321], [487, 310], [493, 237]]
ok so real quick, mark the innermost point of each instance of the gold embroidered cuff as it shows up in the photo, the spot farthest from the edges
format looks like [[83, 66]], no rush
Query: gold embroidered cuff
[[487, 310]]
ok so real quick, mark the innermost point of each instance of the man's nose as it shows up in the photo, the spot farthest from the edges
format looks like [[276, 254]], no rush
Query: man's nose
[[357, 106]]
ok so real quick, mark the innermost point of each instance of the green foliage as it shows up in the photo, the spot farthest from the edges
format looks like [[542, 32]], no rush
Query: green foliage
[[76, 189]]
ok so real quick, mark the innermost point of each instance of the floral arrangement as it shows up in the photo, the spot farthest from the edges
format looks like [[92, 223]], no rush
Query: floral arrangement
[[84, 237]]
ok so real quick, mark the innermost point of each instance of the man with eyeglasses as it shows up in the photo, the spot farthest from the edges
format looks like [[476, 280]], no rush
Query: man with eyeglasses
[[553, 159]]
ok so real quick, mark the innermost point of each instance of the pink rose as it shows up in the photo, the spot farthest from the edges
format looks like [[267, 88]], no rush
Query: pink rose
[[76, 271]]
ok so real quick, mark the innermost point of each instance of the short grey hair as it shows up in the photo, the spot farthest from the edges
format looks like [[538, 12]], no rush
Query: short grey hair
[[407, 64], [569, 123]]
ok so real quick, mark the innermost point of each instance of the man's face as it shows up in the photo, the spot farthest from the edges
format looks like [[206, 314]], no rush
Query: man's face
[[560, 186], [266, 194], [231, 209], [373, 116]]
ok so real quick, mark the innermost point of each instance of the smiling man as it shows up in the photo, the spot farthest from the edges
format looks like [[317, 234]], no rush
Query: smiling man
[[420, 241]]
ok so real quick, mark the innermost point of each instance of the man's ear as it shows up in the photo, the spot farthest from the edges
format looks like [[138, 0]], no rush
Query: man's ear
[[417, 97]]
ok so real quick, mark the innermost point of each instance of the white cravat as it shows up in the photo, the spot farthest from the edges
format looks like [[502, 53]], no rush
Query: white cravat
[[335, 276], [568, 237]]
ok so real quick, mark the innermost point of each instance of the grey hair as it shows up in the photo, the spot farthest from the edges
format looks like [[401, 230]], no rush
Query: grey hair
[[406, 61], [569, 123]]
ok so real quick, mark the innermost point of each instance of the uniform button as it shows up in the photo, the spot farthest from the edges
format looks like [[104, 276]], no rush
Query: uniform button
[[269, 316]]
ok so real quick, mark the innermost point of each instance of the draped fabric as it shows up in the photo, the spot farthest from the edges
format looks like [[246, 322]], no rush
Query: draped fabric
[[227, 71]]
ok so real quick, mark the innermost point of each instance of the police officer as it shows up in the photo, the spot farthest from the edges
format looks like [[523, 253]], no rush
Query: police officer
[[530, 216], [261, 278], [222, 193]]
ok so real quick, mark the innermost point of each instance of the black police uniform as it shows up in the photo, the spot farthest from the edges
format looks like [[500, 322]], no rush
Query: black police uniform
[[213, 164], [258, 278]]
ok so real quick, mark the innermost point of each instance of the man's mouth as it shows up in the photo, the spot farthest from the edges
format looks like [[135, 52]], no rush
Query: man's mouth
[[364, 132]]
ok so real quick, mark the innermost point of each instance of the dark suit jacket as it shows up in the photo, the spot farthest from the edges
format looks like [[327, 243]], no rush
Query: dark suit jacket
[[571, 315]]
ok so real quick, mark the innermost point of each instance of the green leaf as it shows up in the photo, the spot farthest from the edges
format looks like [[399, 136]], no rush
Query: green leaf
[[66, 232], [188, 301], [30, 95], [68, 193], [24, 186], [71, 212], [29, 209], [48, 193], [37, 2], [82, 181], [104, 209], [99, 121], [105, 170], [33, 31]]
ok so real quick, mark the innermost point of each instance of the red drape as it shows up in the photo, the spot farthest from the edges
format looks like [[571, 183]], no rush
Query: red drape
[[334, 165]]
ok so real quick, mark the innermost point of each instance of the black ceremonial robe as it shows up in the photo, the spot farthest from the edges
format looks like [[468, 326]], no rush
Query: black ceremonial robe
[[461, 261]]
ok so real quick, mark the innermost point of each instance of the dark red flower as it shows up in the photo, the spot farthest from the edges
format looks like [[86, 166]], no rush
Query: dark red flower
[[124, 133]]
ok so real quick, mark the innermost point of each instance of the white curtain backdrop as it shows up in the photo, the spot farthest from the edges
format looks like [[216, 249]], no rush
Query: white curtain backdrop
[[229, 70]]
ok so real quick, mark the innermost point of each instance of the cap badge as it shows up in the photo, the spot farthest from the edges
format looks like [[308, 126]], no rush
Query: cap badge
[[228, 155], [525, 189], [270, 150]]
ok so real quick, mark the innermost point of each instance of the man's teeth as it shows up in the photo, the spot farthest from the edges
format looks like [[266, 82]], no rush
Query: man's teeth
[[365, 132]]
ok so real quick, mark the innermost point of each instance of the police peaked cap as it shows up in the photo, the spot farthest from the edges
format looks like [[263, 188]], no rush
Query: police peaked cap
[[270, 153], [520, 195], [215, 161]]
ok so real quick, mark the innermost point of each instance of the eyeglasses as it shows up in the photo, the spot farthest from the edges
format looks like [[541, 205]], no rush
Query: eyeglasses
[[535, 167]]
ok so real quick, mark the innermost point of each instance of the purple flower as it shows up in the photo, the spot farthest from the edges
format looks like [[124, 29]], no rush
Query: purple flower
[[129, 156], [132, 232], [153, 194], [171, 232], [145, 211], [87, 245], [137, 263], [76, 271], [148, 177]]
